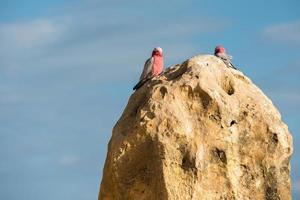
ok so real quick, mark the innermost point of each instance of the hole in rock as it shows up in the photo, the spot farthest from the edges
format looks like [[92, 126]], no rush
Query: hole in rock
[[275, 138], [220, 154], [233, 122], [227, 86], [188, 163], [230, 90], [205, 97], [163, 90]]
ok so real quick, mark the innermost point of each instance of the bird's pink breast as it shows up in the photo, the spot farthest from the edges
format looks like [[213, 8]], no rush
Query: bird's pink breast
[[158, 65]]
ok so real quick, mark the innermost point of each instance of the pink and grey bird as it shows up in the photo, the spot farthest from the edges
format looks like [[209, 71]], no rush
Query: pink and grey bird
[[220, 52], [153, 67]]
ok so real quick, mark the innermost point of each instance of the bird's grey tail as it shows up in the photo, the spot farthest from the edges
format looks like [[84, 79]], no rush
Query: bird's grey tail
[[232, 66], [140, 83], [228, 63]]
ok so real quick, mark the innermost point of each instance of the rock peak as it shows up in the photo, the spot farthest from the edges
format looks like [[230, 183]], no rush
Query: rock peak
[[201, 130]]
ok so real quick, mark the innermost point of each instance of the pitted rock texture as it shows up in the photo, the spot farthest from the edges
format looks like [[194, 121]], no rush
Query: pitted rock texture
[[199, 131]]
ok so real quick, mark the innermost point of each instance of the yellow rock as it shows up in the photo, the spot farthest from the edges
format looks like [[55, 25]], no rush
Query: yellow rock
[[199, 131]]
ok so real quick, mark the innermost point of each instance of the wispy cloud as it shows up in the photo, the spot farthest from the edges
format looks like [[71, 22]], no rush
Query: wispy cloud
[[292, 70], [297, 186], [84, 39], [289, 97], [286, 33], [69, 160], [29, 34]]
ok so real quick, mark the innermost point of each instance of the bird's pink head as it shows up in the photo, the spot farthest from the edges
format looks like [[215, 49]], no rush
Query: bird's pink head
[[157, 51], [220, 49]]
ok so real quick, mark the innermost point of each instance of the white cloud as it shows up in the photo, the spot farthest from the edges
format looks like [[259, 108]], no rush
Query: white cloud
[[285, 98], [288, 33], [292, 97], [29, 34], [23, 42], [68, 160], [95, 46], [296, 186]]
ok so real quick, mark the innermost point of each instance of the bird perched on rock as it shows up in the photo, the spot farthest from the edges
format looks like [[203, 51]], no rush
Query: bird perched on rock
[[153, 67], [220, 52]]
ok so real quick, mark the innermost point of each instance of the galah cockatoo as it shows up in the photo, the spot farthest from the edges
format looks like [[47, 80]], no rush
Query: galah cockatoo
[[153, 67], [220, 52]]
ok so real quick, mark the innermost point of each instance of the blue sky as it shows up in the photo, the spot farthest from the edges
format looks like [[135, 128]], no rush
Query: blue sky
[[67, 69]]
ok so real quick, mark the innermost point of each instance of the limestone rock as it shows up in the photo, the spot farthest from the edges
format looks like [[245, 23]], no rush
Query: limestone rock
[[199, 131]]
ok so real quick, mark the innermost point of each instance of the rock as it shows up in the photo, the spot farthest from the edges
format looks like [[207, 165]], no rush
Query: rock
[[199, 131]]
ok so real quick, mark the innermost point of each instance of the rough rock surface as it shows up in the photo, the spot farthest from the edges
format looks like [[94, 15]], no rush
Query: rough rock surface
[[199, 131]]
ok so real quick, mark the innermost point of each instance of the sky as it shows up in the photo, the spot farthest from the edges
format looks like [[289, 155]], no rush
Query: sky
[[67, 68]]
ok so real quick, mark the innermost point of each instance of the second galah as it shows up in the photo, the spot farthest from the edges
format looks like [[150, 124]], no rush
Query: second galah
[[153, 67], [220, 52]]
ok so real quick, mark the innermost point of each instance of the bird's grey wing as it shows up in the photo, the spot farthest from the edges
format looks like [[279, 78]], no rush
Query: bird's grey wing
[[224, 56], [227, 59], [147, 68], [231, 65], [146, 74]]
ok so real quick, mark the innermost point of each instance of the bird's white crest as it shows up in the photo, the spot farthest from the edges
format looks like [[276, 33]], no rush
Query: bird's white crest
[[158, 49]]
